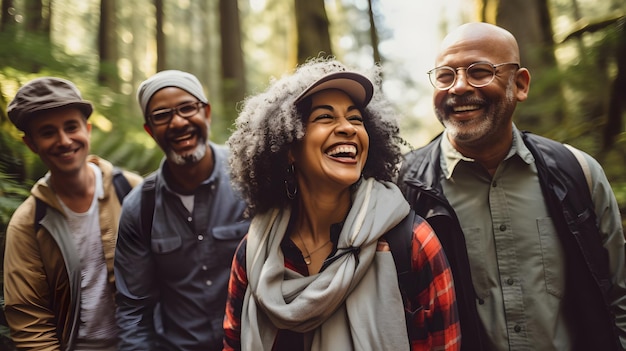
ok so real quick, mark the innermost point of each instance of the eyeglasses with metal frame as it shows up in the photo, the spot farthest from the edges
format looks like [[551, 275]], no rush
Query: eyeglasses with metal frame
[[478, 74], [185, 110]]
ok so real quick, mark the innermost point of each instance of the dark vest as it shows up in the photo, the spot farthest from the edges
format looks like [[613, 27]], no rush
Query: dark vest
[[569, 203]]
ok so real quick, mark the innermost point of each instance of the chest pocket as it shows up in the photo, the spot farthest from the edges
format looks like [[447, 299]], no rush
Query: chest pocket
[[166, 244], [226, 238]]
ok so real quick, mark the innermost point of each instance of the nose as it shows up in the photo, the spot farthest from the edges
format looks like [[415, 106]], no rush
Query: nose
[[461, 85], [344, 127], [177, 120], [64, 139]]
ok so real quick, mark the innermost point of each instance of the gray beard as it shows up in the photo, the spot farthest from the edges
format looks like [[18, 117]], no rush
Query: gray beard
[[180, 160]]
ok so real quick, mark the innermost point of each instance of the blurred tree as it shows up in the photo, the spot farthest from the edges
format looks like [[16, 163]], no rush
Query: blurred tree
[[161, 42], [373, 33], [530, 22], [312, 27], [6, 17], [233, 75], [107, 45], [37, 22]]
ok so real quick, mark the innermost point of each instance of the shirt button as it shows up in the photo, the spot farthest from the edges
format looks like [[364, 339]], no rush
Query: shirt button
[[517, 328], [200, 237], [481, 301], [494, 184], [209, 283], [510, 281], [189, 219], [502, 227], [204, 267]]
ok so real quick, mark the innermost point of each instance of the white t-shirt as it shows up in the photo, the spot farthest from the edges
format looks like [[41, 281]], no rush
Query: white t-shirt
[[97, 313]]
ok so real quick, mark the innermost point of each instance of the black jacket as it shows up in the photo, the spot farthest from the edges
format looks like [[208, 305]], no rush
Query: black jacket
[[568, 200]]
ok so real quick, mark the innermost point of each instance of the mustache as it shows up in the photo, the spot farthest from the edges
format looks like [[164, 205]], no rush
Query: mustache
[[180, 131], [455, 100]]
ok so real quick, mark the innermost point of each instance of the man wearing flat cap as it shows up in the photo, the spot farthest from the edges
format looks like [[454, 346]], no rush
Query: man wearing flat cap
[[179, 232], [58, 265]]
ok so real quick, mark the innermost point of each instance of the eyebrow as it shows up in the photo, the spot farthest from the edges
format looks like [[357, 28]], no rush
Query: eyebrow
[[162, 108]]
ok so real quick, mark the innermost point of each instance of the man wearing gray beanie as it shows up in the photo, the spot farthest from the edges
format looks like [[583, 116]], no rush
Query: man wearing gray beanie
[[179, 232], [58, 264]]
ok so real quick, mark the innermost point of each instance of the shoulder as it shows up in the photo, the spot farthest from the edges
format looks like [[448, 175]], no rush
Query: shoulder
[[220, 151], [23, 217], [412, 162], [133, 178]]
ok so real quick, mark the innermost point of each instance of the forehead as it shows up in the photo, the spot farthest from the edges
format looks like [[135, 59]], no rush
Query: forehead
[[469, 51], [56, 117], [476, 44], [169, 97]]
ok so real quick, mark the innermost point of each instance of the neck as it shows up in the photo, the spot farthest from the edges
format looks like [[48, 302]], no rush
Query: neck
[[75, 190], [317, 211]]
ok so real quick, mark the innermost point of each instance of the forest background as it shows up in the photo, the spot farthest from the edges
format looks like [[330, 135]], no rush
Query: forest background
[[575, 50]]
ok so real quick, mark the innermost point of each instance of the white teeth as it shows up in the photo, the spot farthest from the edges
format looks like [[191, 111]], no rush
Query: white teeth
[[183, 137], [349, 150], [466, 108], [66, 154]]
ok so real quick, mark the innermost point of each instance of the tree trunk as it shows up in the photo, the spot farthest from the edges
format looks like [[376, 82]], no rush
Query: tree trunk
[[33, 21], [530, 23], [312, 27], [617, 105], [107, 45], [233, 71], [34, 24], [6, 19], [373, 33], [161, 50]]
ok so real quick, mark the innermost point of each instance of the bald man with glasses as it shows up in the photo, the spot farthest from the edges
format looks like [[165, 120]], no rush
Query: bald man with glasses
[[531, 227]]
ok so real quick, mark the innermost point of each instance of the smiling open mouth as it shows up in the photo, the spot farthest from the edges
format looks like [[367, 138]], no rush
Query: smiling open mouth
[[465, 108], [342, 151]]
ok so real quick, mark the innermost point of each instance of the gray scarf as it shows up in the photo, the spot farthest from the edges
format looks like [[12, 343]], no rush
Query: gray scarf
[[354, 304]]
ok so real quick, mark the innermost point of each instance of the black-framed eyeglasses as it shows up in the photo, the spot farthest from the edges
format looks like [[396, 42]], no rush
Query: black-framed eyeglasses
[[185, 110], [478, 74]]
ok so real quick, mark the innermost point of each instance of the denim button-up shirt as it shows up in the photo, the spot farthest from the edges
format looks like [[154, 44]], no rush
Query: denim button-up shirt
[[173, 282]]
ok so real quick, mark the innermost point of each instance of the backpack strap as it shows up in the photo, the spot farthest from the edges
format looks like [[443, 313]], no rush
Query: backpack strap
[[40, 212], [148, 190], [583, 164], [121, 184], [400, 239]]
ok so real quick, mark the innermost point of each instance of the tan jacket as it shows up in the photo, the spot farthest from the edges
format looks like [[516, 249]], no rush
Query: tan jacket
[[42, 269]]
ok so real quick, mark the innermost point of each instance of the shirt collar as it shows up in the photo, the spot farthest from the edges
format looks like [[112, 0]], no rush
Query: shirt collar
[[450, 157]]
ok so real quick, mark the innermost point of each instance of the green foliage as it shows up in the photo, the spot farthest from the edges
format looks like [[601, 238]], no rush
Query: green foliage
[[135, 151]]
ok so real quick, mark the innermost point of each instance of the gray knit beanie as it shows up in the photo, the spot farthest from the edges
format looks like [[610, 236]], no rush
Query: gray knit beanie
[[169, 78]]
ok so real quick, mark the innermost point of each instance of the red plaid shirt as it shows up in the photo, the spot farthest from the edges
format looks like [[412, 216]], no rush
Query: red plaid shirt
[[437, 322]]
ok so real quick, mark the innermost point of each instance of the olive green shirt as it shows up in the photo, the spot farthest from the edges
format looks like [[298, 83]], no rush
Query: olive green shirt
[[515, 256]]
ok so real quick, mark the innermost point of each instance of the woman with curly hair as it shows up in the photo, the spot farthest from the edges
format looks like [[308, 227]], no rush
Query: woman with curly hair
[[314, 156]]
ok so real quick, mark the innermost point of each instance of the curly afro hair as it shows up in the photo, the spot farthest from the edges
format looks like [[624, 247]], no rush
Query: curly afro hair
[[269, 124]]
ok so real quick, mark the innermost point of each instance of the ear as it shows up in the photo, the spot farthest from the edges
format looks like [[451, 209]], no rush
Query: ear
[[88, 125], [30, 143], [148, 130], [207, 113], [522, 83]]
